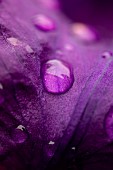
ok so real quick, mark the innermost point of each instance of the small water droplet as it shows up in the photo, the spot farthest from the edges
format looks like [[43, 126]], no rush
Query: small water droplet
[[13, 41], [51, 143], [57, 76], [44, 23], [109, 123], [19, 134], [84, 32], [107, 55], [1, 94], [28, 49], [1, 86], [73, 148]]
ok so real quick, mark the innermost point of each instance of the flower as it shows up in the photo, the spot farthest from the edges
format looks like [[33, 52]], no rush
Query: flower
[[44, 130]]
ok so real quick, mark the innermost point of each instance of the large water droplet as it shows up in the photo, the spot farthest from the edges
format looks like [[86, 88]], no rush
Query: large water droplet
[[44, 23], [109, 123], [19, 134], [84, 32], [57, 76]]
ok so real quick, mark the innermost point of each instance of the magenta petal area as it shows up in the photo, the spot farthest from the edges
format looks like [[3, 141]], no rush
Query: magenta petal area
[[55, 90]]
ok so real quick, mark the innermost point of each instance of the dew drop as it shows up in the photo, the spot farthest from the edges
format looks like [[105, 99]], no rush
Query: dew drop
[[73, 148], [19, 134], [1, 95], [44, 23], [57, 76], [28, 49], [1, 86], [83, 32], [107, 55], [51, 143], [109, 123], [13, 41]]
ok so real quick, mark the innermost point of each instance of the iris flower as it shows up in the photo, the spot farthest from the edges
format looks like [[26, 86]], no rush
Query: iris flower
[[56, 85]]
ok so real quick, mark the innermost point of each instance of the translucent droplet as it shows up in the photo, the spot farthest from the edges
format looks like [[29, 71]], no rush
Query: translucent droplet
[[28, 49], [57, 76], [84, 32], [51, 143], [109, 123], [44, 23], [13, 41], [107, 55], [73, 148], [1, 86], [19, 134], [1, 94]]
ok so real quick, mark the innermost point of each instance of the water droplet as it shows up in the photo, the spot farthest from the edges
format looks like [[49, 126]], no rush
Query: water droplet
[[109, 123], [107, 55], [13, 41], [73, 148], [28, 49], [19, 134], [51, 143], [1, 86], [1, 94], [44, 23], [57, 76], [84, 32]]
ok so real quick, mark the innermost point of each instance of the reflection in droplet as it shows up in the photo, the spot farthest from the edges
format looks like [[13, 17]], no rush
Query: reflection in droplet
[[109, 123], [19, 134], [44, 23], [83, 32], [57, 76]]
